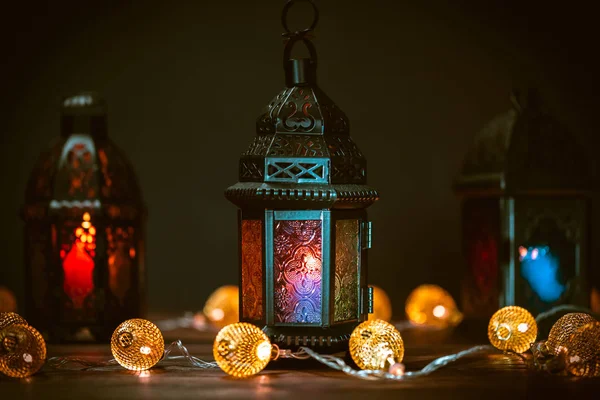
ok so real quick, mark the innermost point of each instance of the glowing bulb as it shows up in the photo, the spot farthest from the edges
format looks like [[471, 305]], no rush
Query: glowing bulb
[[433, 306], [534, 254], [583, 351], [222, 306], [86, 225], [439, 311], [242, 349], [382, 306], [522, 252], [22, 351], [563, 328], [512, 328], [86, 216], [137, 344], [10, 318], [376, 345]]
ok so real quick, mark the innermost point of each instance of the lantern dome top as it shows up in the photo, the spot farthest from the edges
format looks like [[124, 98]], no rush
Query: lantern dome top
[[83, 169], [525, 149]]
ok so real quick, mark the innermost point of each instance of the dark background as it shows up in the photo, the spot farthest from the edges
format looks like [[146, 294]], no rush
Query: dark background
[[185, 80]]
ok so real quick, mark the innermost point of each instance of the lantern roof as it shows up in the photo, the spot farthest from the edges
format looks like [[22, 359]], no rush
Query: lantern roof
[[302, 151], [525, 150], [83, 168]]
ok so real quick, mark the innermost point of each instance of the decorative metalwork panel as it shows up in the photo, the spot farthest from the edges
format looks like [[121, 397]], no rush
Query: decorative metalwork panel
[[297, 268], [298, 146], [347, 253], [292, 170], [76, 177], [252, 270]]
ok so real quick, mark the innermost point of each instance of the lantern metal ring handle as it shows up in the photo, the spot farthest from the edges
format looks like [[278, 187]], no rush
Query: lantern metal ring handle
[[304, 32]]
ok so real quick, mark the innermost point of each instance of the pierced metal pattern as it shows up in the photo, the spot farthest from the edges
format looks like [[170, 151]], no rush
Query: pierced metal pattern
[[347, 253], [297, 268], [298, 146], [76, 177], [252, 287], [292, 170]]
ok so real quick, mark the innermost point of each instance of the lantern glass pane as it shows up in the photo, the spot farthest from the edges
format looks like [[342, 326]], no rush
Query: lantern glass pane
[[252, 271], [297, 263], [121, 261], [347, 253], [547, 264]]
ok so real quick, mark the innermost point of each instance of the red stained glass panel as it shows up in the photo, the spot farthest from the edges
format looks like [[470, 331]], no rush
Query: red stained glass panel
[[252, 286]]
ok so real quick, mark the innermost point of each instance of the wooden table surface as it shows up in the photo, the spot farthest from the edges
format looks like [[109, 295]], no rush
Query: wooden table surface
[[488, 375]]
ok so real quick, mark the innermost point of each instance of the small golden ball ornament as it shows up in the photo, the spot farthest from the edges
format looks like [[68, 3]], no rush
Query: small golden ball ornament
[[22, 351], [564, 328], [242, 349], [376, 345], [9, 318], [223, 306], [382, 306], [431, 305], [137, 344], [583, 351], [512, 328]]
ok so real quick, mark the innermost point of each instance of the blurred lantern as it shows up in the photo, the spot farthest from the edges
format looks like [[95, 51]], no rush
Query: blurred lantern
[[84, 230], [433, 306], [222, 306], [512, 328], [382, 306], [525, 185], [303, 223], [8, 302]]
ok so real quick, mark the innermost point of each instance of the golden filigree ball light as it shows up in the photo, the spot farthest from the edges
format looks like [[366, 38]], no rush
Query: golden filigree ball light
[[22, 351], [137, 344], [564, 328], [9, 318], [382, 306], [242, 349], [222, 306], [583, 351], [432, 306], [376, 345], [8, 301], [512, 328]]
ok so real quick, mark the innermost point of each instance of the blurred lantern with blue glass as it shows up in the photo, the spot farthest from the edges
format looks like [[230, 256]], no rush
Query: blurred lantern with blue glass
[[303, 227], [84, 220], [525, 187]]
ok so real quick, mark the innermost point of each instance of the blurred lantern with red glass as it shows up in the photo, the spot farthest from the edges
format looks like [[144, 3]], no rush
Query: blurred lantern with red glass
[[526, 185], [303, 227], [84, 219]]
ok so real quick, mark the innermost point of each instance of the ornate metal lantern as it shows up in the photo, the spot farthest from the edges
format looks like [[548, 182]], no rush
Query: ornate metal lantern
[[302, 221], [84, 234], [525, 186]]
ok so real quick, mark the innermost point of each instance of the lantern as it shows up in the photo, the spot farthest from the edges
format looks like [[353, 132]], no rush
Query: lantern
[[84, 236], [525, 187], [303, 227]]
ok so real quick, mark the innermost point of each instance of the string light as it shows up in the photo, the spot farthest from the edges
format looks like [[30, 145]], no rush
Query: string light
[[22, 351], [242, 349], [382, 306], [9, 318], [564, 328], [137, 344], [377, 345], [583, 351], [432, 306], [512, 328], [222, 306]]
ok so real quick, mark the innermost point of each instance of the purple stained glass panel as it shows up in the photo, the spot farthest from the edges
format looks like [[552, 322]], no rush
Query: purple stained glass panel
[[297, 265]]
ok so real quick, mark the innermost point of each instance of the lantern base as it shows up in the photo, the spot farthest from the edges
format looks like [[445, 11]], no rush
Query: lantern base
[[325, 340]]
